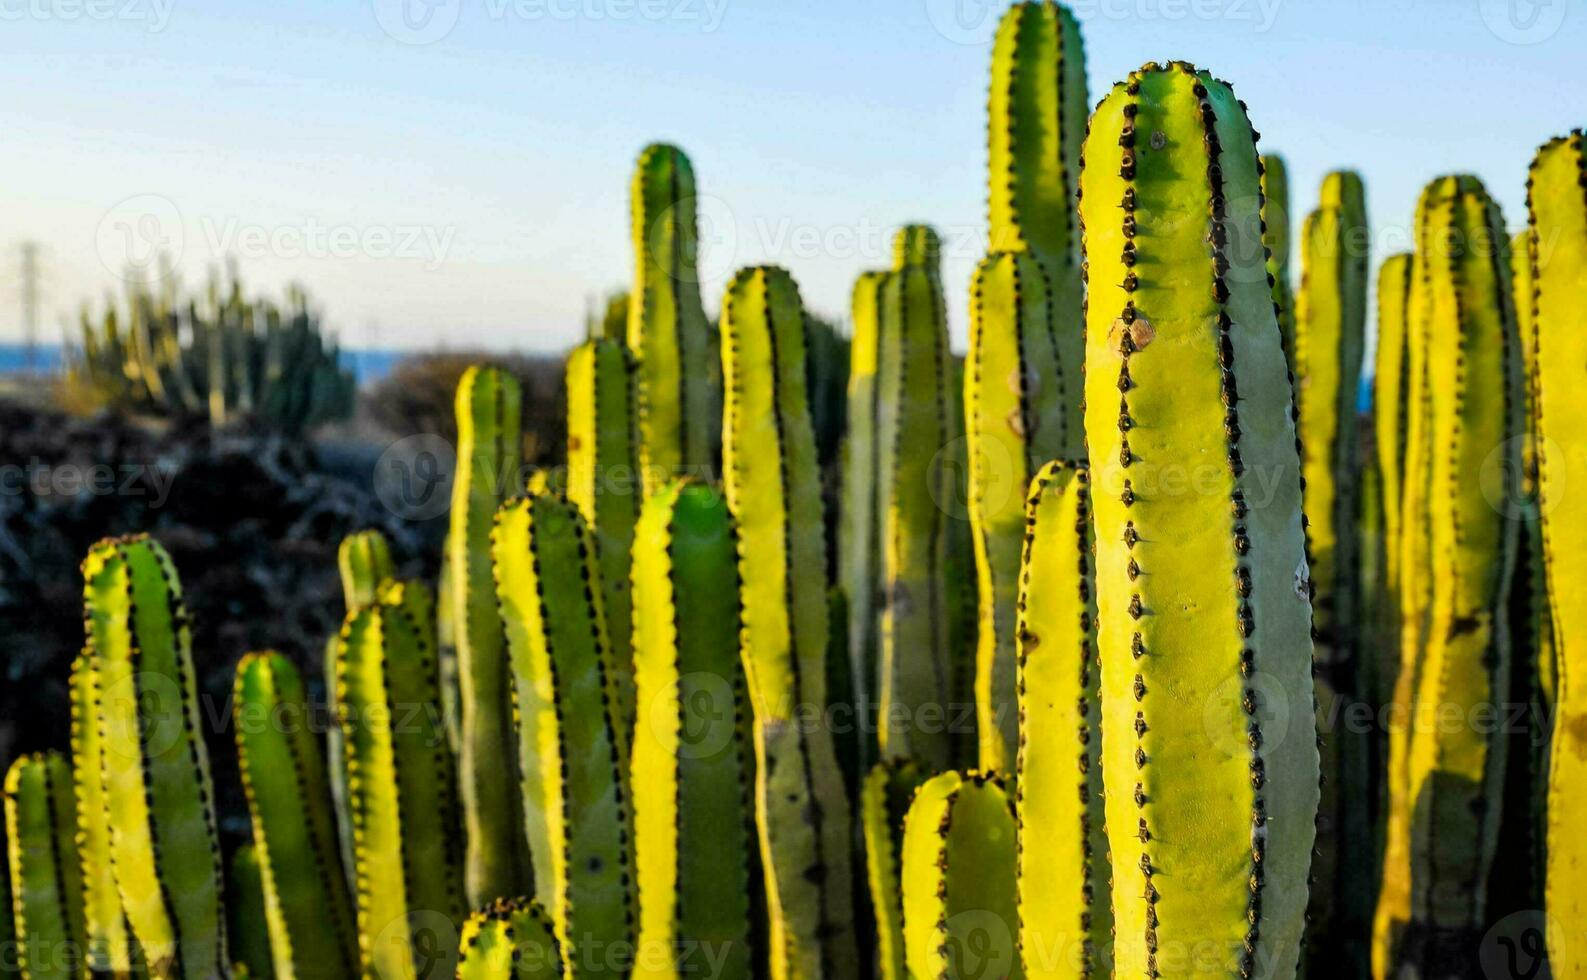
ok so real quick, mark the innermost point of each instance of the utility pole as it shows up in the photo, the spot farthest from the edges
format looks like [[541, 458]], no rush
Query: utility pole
[[30, 305]]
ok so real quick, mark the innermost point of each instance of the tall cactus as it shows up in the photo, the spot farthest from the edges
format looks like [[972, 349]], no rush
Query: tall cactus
[[1209, 756], [692, 823], [1276, 237], [1066, 921], [572, 747], [488, 460], [773, 491], [884, 800], [307, 905], [1390, 381], [401, 777], [247, 921], [960, 908], [158, 796], [1557, 206], [41, 817], [109, 942], [602, 482], [1037, 109], [667, 328], [509, 940], [912, 434]]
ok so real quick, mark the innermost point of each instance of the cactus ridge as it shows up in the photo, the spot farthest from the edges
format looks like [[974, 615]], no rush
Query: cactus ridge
[[884, 800], [47, 893], [109, 941]]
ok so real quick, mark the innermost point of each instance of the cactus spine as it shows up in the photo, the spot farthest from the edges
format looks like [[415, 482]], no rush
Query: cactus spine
[[109, 948], [861, 529], [1066, 921], [769, 463], [602, 475], [572, 747], [307, 905], [667, 328], [400, 778], [1209, 757], [509, 940], [884, 800], [488, 439], [960, 908], [1557, 205], [163, 838], [912, 433], [1276, 238], [41, 815], [691, 775]]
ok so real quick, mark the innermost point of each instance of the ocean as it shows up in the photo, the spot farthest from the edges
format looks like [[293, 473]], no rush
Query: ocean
[[367, 365]]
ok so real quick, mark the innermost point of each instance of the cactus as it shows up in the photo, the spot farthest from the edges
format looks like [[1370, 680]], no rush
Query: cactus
[[8, 933], [109, 943], [1390, 380], [667, 328], [1210, 763], [1014, 396], [247, 917], [310, 914], [859, 540], [602, 481], [912, 432], [158, 797], [1557, 207], [773, 492], [41, 816], [960, 908], [884, 799], [488, 462], [1274, 222], [1066, 921], [572, 748], [509, 940], [691, 774], [400, 777], [1330, 332], [1037, 110]]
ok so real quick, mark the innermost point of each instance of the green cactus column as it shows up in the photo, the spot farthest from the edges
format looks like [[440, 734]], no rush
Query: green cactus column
[[693, 822], [41, 816], [509, 940], [401, 778], [1037, 109], [1209, 755], [915, 696], [603, 482], [884, 800], [1390, 385], [667, 329], [1557, 206], [109, 942], [959, 855], [1456, 771], [572, 747], [1530, 570], [1066, 920], [773, 491], [163, 838], [488, 462], [310, 913], [1276, 238], [247, 917]]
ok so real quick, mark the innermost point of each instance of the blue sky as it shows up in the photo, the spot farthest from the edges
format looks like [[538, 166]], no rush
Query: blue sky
[[456, 171]]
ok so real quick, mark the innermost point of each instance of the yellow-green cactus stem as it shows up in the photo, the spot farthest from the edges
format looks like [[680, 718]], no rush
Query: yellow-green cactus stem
[[109, 948], [247, 916], [963, 585], [1557, 206], [602, 482], [1037, 109], [1276, 236], [1066, 921], [667, 329], [1456, 771], [773, 490], [8, 933], [913, 490], [959, 858], [691, 772], [1390, 381], [1204, 626], [157, 789], [1014, 413], [1529, 570], [572, 746], [917, 245], [884, 799], [488, 460], [859, 539], [47, 893], [310, 913], [400, 777], [509, 940]]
